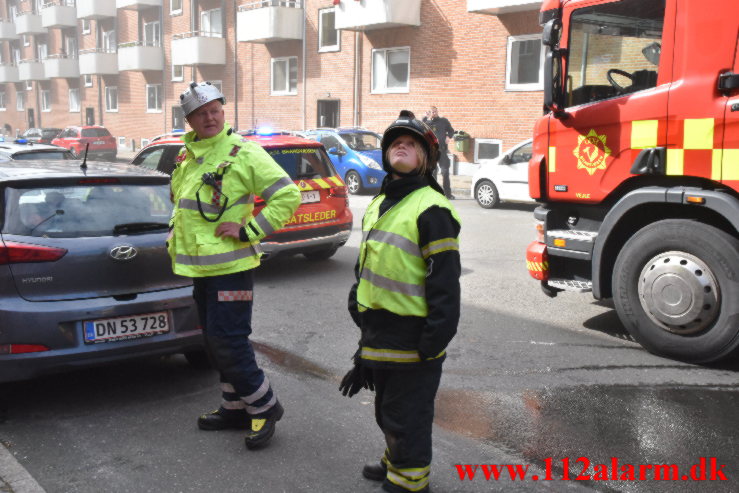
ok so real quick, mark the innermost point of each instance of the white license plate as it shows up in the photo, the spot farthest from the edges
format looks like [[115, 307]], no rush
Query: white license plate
[[131, 327], [310, 197], [98, 142]]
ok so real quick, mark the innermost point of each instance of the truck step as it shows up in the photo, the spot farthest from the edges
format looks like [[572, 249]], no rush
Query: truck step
[[573, 234], [571, 285]]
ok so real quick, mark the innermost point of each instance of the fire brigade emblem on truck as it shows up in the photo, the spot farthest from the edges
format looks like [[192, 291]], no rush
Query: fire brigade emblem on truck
[[591, 152]]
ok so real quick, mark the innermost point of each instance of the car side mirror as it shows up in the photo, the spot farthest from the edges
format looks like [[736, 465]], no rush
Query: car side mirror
[[336, 151], [506, 159]]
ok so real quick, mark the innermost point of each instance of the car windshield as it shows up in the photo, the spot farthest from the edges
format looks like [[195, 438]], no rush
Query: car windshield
[[361, 141], [50, 132], [86, 210], [303, 163], [95, 132], [45, 155]]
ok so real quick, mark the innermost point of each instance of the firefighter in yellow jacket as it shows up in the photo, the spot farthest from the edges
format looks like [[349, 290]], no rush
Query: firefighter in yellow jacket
[[406, 302], [214, 239]]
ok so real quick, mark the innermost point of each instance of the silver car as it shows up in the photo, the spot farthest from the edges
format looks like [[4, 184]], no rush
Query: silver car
[[85, 277]]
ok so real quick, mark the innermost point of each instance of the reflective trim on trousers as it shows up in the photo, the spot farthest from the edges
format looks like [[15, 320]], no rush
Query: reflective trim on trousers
[[260, 392], [396, 355], [409, 479], [393, 285], [262, 409], [217, 258], [233, 405], [393, 239], [283, 182]]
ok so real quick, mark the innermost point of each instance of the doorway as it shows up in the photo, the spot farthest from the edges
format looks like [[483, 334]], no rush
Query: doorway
[[31, 118], [328, 113], [89, 116]]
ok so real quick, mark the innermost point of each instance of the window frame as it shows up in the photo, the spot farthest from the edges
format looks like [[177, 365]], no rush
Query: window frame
[[85, 82], [20, 101], [158, 91], [172, 10], [529, 86], [327, 48], [45, 100], [156, 33], [286, 92], [210, 32], [70, 99], [86, 27], [108, 91], [3, 103], [385, 89], [178, 78], [479, 141]]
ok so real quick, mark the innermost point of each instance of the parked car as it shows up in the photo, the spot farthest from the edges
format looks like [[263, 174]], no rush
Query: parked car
[[41, 135], [102, 145], [504, 178], [85, 278], [22, 150], [356, 155], [323, 221]]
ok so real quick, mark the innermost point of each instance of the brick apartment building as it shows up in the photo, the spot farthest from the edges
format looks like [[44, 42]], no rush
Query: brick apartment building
[[291, 64]]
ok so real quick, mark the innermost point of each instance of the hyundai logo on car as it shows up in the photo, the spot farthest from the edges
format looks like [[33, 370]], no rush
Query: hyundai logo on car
[[123, 252]]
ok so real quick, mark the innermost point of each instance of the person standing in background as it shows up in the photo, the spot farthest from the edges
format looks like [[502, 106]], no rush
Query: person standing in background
[[444, 132]]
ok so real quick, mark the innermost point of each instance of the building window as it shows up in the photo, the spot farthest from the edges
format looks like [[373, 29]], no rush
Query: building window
[[45, 95], [525, 63], [42, 51], [487, 149], [2, 100], [74, 100], [20, 101], [29, 85], [153, 98], [111, 98], [211, 24], [285, 75], [85, 26], [391, 70], [178, 73], [109, 43], [26, 40], [328, 35], [152, 34], [175, 7], [87, 80], [218, 84]]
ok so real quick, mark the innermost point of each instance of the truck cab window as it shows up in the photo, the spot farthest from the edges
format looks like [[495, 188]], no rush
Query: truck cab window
[[614, 50]]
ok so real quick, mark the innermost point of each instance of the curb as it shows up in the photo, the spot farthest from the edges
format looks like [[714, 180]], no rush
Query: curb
[[14, 477]]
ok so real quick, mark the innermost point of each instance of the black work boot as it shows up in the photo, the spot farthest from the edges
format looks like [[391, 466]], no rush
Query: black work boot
[[263, 427], [375, 472], [224, 419]]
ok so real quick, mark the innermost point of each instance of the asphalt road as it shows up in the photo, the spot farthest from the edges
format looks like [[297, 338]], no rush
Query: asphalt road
[[529, 380]]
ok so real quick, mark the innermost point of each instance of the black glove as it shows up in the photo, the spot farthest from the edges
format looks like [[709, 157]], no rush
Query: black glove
[[359, 377]]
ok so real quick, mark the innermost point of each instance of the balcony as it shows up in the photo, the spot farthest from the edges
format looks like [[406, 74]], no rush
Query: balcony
[[97, 61], [96, 9], [31, 69], [136, 56], [496, 7], [377, 14], [198, 48], [7, 31], [29, 23], [60, 13], [270, 20], [61, 67], [8, 73], [137, 4]]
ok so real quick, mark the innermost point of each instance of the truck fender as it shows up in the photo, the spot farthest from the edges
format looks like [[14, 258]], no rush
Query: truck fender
[[722, 203]]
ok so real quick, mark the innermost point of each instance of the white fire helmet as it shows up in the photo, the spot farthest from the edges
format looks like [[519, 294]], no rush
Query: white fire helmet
[[199, 94]]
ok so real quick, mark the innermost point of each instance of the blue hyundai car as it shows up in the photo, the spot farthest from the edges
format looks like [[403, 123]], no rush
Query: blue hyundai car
[[355, 153]]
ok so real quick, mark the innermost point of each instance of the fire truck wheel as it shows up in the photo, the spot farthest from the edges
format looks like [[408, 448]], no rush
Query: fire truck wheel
[[676, 289], [486, 194]]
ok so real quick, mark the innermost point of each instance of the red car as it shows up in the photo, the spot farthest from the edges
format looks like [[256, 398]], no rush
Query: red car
[[323, 221], [102, 145]]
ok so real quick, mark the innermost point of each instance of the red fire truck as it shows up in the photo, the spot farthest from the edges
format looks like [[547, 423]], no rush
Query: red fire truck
[[636, 167]]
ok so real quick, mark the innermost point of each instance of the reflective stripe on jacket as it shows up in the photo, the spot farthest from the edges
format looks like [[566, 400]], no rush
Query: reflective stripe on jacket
[[244, 170]]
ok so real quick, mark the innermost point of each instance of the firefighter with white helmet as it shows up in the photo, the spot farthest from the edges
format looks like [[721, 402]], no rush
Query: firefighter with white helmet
[[406, 302], [214, 239]]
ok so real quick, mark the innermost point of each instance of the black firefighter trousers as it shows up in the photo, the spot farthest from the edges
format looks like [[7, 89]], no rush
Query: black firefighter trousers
[[404, 410]]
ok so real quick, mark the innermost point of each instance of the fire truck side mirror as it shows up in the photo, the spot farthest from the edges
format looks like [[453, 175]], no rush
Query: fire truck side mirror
[[553, 94], [552, 33], [728, 81]]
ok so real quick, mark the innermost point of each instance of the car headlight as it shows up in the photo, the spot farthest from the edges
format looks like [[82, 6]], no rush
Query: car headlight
[[369, 162]]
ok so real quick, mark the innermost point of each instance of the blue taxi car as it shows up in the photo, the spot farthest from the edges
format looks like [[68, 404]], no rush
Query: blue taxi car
[[355, 153]]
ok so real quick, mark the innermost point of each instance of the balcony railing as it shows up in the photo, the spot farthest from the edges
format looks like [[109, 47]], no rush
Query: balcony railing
[[96, 9], [137, 4], [198, 48], [496, 7], [140, 56], [61, 66], [8, 73], [59, 13], [31, 69], [7, 31], [98, 61], [264, 21], [28, 23], [377, 14]]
